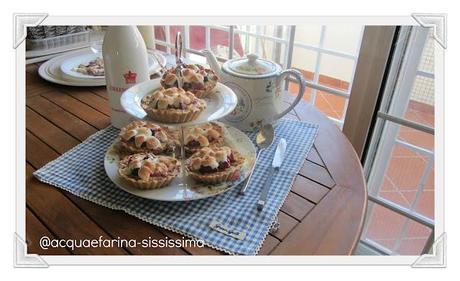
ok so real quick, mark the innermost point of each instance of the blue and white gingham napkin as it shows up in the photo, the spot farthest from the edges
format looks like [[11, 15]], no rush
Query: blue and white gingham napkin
[[81, 172]]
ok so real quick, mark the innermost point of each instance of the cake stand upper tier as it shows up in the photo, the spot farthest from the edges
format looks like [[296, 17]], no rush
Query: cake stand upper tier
[[220, 103]]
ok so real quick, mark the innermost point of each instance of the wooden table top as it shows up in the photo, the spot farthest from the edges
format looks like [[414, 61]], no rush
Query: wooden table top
[[322, 215]]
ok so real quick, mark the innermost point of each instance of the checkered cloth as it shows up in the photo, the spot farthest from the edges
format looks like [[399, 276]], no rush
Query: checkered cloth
[[81, 172]]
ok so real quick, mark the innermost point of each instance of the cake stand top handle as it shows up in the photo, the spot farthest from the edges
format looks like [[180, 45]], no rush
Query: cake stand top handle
[[179, 48]]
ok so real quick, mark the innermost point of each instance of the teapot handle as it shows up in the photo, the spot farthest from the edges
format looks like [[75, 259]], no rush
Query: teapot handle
[[299, 77]]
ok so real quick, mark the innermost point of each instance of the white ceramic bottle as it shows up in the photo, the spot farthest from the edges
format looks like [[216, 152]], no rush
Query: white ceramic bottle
[[125, 64]]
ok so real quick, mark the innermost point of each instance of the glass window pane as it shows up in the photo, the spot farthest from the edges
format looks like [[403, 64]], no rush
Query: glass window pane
[[395, 232], [418, 106], [264, 48], [422, 97], [305, 61], [160, 36], [427, 59], [415, 239], [252, 43], [197, 40], [336, 72], [416, 137], [343, 38], [219, 42], [308, 34], [401, 172], [402, 180]]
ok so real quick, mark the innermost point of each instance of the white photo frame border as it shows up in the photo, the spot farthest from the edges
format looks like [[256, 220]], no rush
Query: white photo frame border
[[437, 257]]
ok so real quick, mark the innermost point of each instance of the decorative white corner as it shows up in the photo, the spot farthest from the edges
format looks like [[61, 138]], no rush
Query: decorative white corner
[[21, 22], [22, 259], [437, 22], [438, 256]]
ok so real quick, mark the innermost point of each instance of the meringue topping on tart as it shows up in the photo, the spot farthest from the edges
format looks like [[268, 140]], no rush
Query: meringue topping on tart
[[196, 79], [173, 105], [147, 170], [142, 136]]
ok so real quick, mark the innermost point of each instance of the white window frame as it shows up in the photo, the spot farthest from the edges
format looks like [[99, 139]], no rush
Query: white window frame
[[399, 83]]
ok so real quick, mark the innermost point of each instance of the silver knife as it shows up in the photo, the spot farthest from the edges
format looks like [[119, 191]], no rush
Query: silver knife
[[276, 163]]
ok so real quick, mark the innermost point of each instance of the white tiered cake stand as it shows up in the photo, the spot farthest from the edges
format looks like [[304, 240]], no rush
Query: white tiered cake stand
[[183, 188]]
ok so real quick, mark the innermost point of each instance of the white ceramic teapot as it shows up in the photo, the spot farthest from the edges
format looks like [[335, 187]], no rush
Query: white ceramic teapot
[[258, 84]]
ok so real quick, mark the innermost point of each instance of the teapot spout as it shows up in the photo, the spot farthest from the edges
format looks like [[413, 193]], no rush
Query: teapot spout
[[212, 61]]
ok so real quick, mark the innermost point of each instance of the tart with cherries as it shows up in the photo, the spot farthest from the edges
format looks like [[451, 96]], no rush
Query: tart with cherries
[[141, 136], [214, 165], [173, 105], [147, 170], [196, 79], [206, 135]]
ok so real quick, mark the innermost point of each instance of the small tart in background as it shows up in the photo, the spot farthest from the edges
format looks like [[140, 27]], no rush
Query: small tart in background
[[142, 136], [214, 165], [173, 105], [205, 135], [196, 79], [147, 170]]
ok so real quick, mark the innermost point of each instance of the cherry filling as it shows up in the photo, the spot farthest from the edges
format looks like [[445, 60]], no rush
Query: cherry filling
[[132, 140], [193, 86], [180, 106], [198, 86], [156, 174], [231, 158], [135, 173], [170, 106], [222, 166], [193, 143]]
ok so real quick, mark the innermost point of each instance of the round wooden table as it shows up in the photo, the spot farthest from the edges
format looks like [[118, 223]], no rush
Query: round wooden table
[[322, 215]]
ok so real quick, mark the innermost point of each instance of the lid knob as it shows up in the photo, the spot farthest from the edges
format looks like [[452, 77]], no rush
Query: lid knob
[[252, 58], [251, 66]]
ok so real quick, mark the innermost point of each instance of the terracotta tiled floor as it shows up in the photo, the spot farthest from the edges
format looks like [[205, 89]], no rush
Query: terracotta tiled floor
[[401, 179], [329, 104]]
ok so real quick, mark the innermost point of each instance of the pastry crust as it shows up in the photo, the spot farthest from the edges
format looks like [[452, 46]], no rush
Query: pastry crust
[[230, 173], [196, 79], [173, 105], [141, 136], [148, 171]]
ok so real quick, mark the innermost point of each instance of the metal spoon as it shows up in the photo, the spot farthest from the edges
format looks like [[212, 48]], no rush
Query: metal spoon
[[264, 139]]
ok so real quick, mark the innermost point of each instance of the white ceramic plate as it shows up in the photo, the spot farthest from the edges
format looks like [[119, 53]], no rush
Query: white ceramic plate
[[219, 103], [70, 63], [51, 71], [186, 189]]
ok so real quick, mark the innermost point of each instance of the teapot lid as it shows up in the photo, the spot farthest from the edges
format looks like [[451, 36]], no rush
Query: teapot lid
[[251, 67]]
